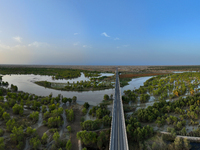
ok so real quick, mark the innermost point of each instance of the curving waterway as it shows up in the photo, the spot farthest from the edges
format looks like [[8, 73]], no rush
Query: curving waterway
[[26, 83]]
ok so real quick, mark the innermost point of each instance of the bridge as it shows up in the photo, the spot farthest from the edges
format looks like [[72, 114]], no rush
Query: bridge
[[118, 136]]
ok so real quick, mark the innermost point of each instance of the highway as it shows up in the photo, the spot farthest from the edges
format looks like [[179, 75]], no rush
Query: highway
[[118, 137]]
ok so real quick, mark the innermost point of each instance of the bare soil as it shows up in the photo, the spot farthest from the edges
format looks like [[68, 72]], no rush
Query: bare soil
[[76, 127], [41, 130]]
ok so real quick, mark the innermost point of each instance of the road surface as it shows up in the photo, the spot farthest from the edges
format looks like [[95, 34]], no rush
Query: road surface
[[118, 139]]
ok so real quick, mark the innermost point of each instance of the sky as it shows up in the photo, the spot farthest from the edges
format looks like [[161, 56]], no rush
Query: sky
[[100, 32]]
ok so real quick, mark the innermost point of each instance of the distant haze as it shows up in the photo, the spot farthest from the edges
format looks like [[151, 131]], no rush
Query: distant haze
[[100, 32]]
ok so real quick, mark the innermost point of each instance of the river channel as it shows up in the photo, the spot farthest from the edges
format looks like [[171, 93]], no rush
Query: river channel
[[26, 83]]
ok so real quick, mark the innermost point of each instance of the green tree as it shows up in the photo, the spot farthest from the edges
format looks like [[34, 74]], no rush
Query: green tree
[[56, 137], [2, 145], [10, 124], [18, 109], [70, 101], [178, 143], [68, 145], [54, 122], [1, 132], [187, 145], [2, 110], [34, 116], [179, 125], [1, 97], [44, 138], [30, 131], [168, 108], [101, 139], [17, 134], [106, 97], [6, 116], [87, 137], [22, 103], [86, 105], [70, 115], [74, 99], [106, 120], [69, 128], [44, 108], [84, 111], [111, 96], [35, 143]]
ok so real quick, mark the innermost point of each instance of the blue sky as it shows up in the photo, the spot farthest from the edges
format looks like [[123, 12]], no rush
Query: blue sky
[[100, 32]]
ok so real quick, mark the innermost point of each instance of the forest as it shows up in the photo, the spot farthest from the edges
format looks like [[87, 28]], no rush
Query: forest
[[57, 73]]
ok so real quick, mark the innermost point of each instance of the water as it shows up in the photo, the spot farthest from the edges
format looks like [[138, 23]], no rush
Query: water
[[195, 146], [135, 83], [26, 83]]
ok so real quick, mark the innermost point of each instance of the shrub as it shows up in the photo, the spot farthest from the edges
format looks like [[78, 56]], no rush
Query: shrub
[[35, 143], [86, 105], [34, 116], [84, 111], [6, 116], [44, 138], [18, 109]]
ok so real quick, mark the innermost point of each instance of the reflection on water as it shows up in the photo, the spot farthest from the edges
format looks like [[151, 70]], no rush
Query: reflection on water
[[26, 83]]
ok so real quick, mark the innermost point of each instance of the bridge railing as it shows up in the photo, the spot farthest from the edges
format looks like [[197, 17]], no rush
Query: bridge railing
[[123, 121], [112, 133]]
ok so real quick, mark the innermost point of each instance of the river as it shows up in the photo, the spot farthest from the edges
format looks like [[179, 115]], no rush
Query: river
[[26, 83]]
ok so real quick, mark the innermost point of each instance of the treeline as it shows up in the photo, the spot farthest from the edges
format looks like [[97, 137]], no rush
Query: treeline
[[4, 83], [46, 84], [91, 73], [78, 86], [58, 73], [89, 85], [191, 68], [14, 88]]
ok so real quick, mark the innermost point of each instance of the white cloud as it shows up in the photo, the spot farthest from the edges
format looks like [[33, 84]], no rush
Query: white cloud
[[18, 39], [76, 33], [0, 31], [116, 38], [76, 43], [38, 44], [117, 47], [105, 34], [87, 46], [4, 46]]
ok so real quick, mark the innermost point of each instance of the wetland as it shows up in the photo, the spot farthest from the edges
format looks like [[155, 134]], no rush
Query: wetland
[[51, 118]]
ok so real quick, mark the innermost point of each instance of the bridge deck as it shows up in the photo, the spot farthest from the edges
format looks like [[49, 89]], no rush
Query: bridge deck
[[118, 139]]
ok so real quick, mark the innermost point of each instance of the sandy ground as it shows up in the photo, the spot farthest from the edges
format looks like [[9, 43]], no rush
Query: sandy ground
[[76, 127]]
